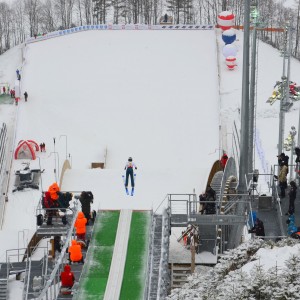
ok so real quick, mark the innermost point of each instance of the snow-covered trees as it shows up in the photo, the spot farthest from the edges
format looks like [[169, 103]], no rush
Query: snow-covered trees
[[232, 278]]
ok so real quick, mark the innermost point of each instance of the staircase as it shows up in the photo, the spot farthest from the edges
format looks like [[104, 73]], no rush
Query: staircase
[[179, 275], [216, 183], [3, 288], [156, 256]]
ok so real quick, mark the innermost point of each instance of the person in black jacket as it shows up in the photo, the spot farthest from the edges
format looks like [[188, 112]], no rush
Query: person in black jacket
[[86, 198], [258, 228], [292, 197], [26, 96], [210, 206], [283, 158]]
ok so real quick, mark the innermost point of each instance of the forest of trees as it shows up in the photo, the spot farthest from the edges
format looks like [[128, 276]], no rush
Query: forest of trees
[[20, 19]]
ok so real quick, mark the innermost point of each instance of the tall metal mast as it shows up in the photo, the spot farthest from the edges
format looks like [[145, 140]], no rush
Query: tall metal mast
[[254, 18], [285, 89], [244, 144]]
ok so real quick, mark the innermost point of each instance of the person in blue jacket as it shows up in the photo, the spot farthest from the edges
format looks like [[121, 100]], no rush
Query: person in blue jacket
[[129, 172]]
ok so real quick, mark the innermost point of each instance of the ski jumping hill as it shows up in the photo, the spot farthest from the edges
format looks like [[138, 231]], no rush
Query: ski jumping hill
[[152, 95]]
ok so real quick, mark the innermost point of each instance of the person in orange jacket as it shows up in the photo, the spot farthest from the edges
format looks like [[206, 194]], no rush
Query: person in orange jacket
[[80, 225], [75, 252], [53, 190]]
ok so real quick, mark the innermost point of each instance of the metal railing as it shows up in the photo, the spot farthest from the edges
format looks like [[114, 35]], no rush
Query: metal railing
[[163, 278], [3, 140], [52, 284], [184, 211], [150, 257], [236, 139], [44, 263]]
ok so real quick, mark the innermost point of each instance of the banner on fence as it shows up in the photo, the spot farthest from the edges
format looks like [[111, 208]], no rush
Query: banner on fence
[[53, 34]]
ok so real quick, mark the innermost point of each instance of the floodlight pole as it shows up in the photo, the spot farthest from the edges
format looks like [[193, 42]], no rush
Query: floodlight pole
[[285, 80], [244, 144], [252, 89]]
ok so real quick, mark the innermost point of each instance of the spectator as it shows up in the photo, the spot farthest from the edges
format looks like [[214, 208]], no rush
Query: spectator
[[165, 18], [282, 178], [57, 243], [86, 198], [53, 190], [202, 199], [50, 207], [26, 96], [12, 93], [285, 159], [258, 228], [292, 198], [291, 225], [210, 206], [223, 160], [67, 280], [4, 90], [54, 194], [42, 147], [64, 200], [75, 253], [80, 225]]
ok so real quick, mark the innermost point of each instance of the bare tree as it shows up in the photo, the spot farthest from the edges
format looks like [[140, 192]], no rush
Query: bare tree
[[32, 12], [47, 19], [118, 7], [5, 27], [18, 21]]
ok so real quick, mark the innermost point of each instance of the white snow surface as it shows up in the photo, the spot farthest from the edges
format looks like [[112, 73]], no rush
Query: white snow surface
[[266, 258], [158, 96]]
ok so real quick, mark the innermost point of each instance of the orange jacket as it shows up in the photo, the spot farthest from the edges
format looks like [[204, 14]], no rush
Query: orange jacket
[[75, 251], [80, 223], [53, 189]]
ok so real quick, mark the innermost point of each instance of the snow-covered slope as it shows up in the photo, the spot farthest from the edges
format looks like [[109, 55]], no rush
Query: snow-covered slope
[[152, 95]]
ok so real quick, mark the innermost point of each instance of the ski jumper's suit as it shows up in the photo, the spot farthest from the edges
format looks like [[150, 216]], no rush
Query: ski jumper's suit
[[129, 172]]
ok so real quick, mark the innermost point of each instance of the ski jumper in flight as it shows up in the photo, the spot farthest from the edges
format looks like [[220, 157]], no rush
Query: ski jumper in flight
[[129, 172]]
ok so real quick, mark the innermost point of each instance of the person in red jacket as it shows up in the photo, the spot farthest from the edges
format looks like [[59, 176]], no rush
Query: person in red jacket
[[80, 225], [75, 252], [67, 280], [223, 160]]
